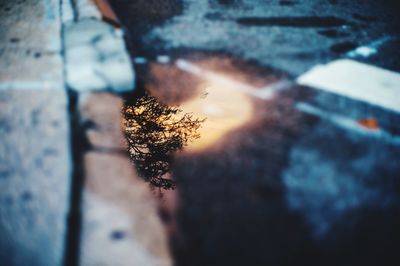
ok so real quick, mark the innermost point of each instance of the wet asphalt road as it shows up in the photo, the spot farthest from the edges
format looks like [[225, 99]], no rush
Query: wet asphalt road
[[286, 188], [264, 31]]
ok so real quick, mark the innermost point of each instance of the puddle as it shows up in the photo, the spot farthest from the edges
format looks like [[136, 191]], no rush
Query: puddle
[[189, 107], [223, 109], [235, 162], [208, 133], [154, 132], [238, 156], [334, 33], [343, 47], [215, 137]]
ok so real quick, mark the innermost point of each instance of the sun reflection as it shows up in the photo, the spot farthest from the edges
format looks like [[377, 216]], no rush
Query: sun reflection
[[184, 108], [212, 88], [224, 108]]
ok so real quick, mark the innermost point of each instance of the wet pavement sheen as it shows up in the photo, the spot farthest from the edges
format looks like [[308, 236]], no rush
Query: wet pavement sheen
[[255, 178], [254, 169]]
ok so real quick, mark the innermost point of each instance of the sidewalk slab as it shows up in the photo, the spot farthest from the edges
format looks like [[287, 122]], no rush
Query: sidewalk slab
[[96, 57], [30, 45], [35, 168], [28, 69], [31, 24], [120, 224], [35, 163], [95, 53]]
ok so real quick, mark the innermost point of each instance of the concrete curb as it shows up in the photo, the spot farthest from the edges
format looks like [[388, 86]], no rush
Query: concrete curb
[[114, 218], [96, 57]]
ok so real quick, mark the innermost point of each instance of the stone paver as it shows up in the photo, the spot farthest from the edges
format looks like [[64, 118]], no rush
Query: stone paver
[[35, 168], [31, 24], [35, 157], [120, 223], [100, 117], [30, 48], [96, 57], [22, 68], [95, 52], [87, 9]]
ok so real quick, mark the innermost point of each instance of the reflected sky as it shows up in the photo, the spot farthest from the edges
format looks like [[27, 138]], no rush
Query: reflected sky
[[258, 167], [187, 106], [224, 109], [217, 89]]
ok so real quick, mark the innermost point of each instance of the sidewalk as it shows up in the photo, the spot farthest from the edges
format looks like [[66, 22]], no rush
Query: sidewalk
[[68, 193], [277, 121], [35, 146]]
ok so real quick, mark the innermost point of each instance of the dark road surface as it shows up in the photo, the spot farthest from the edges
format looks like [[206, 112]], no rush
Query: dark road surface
[[289, 35], [289, 176]]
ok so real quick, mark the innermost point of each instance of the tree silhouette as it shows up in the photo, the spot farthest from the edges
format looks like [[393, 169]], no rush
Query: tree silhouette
[[154, 131]]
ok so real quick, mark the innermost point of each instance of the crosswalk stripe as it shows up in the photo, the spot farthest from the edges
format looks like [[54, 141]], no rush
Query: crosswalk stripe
[[358, 81]]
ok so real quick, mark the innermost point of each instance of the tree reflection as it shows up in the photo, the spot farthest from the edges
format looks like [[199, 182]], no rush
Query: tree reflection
[[154, 131]]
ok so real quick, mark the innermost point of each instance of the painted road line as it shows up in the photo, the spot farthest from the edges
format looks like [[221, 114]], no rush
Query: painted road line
[[358, 81], [140, 60], [369, 49], [163, 59], [348, 123], [264, 93]]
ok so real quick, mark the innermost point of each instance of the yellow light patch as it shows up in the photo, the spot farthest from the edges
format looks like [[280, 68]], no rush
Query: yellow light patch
[[224, 109]]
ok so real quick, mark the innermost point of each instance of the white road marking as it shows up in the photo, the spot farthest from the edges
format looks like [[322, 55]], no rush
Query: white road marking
[[358, 81], [348, 123], [140, 60], [264, 93], [163, 59], [370, 49]]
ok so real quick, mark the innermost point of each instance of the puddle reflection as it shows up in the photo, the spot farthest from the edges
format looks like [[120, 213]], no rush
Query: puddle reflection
[[224, 109], [181, 111], [210, 88], [154, 131]]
